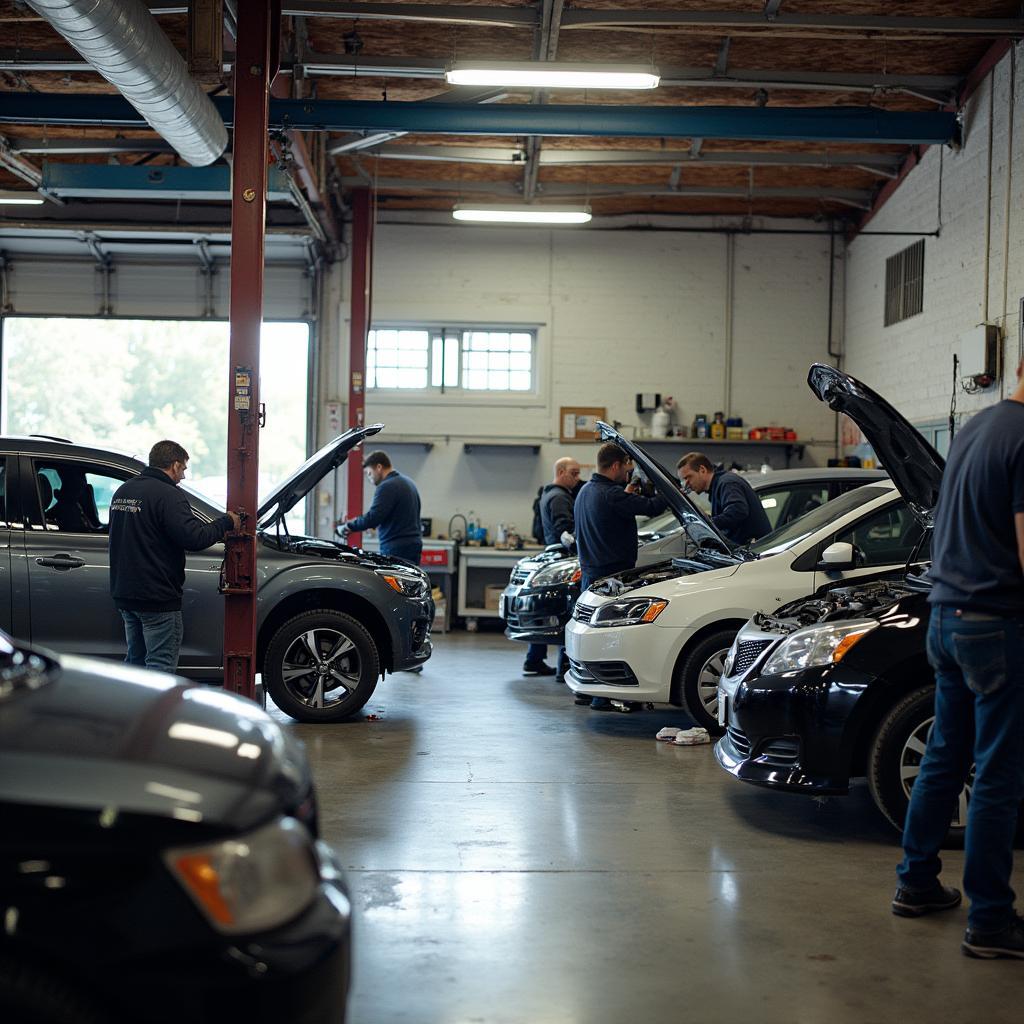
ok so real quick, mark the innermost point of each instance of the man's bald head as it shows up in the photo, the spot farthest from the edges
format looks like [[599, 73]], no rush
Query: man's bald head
[[567, 472]]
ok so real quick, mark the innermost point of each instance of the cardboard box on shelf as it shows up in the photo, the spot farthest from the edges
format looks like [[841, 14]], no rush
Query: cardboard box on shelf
[[492, 597], [440, 608]]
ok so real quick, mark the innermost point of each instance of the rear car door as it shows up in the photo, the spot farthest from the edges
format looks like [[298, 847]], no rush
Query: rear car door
[[66, 504]]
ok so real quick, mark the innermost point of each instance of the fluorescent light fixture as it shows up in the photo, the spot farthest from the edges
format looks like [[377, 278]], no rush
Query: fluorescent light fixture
[[553, 75], [20, 198], [523, 214]]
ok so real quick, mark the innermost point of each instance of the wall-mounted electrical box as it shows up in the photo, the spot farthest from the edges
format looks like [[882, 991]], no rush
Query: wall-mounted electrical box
[[980, 352]]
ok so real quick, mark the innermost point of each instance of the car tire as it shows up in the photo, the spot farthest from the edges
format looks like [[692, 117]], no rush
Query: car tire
[[291, 669], [699, 672], [31, 996], [897, 748]]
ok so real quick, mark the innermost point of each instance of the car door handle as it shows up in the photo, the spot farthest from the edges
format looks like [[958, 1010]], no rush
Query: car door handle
[[62, 562]]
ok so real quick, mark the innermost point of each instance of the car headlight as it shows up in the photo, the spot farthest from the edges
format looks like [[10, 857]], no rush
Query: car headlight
[[629, 613], [817, 645], [567, 571], [730, 658], [258, 881], [407, 583]]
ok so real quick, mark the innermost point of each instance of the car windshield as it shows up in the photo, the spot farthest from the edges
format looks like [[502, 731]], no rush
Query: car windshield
[[663, 523], [218, 506], [799, 529]]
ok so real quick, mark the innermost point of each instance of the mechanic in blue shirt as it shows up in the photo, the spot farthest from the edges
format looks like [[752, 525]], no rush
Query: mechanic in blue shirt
[[736, 510], [976, 647], [394, 511]]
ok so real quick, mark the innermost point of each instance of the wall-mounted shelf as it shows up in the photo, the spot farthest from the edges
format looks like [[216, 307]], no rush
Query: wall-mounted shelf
[[401, 439], [471, 446], [790, 448]]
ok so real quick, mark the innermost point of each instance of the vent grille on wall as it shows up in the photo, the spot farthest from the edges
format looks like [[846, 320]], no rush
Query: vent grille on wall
[[904, 284]]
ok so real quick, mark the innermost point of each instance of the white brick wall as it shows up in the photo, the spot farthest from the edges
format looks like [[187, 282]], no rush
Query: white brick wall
[[623, 312], [911, 362]]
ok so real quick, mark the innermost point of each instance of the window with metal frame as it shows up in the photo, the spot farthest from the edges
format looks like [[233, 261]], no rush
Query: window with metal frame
[[446, 359], [904, 284]]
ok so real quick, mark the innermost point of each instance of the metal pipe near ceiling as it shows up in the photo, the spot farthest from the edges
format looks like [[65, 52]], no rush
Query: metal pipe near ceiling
[[123, 42]]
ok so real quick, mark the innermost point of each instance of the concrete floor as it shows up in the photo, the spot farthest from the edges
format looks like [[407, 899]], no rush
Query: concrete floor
[[515, 858]]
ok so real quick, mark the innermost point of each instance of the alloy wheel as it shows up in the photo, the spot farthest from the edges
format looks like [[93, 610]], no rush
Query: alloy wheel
[[707, 681], [910, 767], [321, 667]]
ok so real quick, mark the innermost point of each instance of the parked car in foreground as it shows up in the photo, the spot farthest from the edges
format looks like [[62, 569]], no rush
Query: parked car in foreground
[[838, 685], [159, 858], [661, 633], [543, 588], [321, 604]]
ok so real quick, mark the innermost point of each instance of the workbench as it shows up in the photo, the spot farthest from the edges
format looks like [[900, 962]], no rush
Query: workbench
[[480, 567]]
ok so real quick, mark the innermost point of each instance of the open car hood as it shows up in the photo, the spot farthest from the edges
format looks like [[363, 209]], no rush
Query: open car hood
[[699, 529], [287, 495], [914, 465]]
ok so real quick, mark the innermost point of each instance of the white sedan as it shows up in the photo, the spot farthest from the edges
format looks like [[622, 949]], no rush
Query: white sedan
[[660, 633]]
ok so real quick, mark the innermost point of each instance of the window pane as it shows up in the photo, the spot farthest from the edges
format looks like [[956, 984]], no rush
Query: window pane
[[409, 378], [412, 358], [519, 361], [499, 360], [436, 361], [387, 339], [475, 379], [476, 361], [519, 381], [497, 380], [521, 342], [451, 362], [387, 378], [416, 340]]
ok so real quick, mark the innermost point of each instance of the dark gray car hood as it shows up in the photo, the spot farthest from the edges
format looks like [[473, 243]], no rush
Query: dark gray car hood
[[88, 734], [914, 465], [288, 494]]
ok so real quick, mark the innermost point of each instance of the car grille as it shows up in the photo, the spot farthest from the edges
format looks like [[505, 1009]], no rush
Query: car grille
[[783, 752], [747, 652], [583, 612], [740, 741], [519, 576], [609, 673]]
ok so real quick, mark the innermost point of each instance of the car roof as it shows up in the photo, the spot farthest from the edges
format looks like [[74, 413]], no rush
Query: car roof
[[37, 444], [775, 477]]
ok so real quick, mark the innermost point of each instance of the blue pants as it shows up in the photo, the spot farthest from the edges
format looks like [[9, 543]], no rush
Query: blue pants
[[979, 717], [536, 653], [154, 639], [410, 550]]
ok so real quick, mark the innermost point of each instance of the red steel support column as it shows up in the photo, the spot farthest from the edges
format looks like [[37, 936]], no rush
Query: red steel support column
[[362, 267], [255, 67]]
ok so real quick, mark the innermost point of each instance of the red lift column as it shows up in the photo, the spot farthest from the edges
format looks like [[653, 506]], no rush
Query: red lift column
[[362, 267], [255, 66]]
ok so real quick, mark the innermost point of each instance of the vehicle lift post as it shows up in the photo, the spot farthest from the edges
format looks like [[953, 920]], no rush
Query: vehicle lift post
[[256, 64]]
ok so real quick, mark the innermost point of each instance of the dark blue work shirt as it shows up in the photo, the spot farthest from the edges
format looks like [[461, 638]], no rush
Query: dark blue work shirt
[[606, 525], [736, 510], [974, 549], [394, 512]]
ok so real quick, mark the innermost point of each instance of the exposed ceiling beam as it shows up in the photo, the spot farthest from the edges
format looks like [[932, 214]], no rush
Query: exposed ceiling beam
[[545, 49], [695, 21], [12, 161], [859, 198], [804, 124], [874, 162], [75, 147]]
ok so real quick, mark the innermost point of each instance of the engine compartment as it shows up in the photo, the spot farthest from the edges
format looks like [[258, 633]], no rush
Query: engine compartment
[[839, 603]]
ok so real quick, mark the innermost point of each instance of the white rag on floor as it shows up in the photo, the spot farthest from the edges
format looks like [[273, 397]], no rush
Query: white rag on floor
[[668, 734], [692, 737]]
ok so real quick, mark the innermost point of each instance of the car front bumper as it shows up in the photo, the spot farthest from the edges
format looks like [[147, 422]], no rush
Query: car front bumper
[[623, 662], [538, 615], [412, 645]]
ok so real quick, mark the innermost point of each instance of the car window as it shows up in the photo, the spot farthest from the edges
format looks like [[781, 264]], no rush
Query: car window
[[789, 534], [74, 496], [787, 502], [886, 537]]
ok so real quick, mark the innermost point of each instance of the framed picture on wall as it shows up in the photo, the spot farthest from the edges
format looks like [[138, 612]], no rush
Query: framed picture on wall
[[579, 422]]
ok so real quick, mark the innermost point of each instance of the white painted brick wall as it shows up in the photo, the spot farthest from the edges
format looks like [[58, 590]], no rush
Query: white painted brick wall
[[911, 362], [623, 311]]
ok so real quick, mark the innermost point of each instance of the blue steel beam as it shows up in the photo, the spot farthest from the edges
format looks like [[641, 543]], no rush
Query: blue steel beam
[[798, 124], [116, 182]]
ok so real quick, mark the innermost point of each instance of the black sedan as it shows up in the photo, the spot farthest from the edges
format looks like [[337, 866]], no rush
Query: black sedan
[[159, 858]]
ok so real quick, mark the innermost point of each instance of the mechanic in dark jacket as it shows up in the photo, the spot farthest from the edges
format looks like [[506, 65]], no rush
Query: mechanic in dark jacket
[[558, 521], [606, 514], [394, 511], [736, 510], [152, 525]]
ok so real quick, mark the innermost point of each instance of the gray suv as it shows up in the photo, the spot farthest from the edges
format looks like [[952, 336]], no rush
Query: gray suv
[[321, 604]]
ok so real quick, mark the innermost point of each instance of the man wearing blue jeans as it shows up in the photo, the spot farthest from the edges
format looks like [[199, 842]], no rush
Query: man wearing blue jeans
[[152, 525], [976, 646]]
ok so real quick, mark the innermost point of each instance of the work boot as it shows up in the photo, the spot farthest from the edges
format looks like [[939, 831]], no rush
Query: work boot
[[601, 704], [910, 903], [581, 699], [1008, 942], [542, 668]]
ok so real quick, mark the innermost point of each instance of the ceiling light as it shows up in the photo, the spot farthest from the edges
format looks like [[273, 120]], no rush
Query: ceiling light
[[523, 214], [20, 198], [553, 75]]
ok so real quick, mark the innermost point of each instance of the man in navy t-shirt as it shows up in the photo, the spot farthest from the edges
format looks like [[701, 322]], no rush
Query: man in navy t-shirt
[[394, 511], [976, 647]]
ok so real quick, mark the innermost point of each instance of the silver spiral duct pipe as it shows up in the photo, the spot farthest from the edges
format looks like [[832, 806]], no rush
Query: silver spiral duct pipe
[[123, 42]]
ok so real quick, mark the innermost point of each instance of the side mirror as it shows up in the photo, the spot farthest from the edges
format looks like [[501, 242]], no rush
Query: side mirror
[[837, 557]]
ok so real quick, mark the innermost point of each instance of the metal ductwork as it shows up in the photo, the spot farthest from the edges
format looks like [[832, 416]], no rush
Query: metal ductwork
[[123, 42]]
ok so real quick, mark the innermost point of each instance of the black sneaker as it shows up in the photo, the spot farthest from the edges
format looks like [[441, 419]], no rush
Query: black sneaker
[[910, 903], [581, 699], [542, 669], [1008, 942]]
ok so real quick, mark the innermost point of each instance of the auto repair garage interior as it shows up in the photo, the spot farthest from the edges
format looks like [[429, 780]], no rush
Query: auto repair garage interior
[[452, 223]]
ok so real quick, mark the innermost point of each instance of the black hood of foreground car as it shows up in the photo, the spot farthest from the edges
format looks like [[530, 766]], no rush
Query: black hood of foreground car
[[698, 528], [914, 465], [92, 735], [288, 494]]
